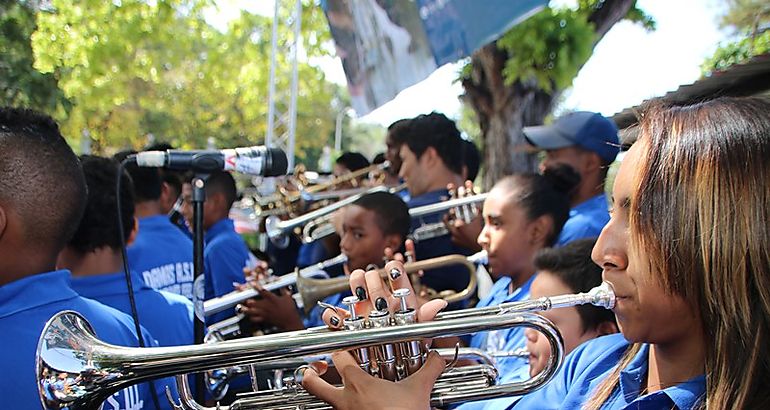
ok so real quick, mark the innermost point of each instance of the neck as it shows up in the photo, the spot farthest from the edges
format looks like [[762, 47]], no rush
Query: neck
[[441, 178], [586, 192], [670, 364], [147, 208], [16, 265], [100, 261], [520, 278]]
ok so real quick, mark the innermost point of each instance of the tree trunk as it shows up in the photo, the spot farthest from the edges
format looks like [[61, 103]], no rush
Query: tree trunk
[[503, 110]]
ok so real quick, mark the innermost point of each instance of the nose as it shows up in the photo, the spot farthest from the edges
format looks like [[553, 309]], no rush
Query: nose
[[531, 335], [483, 238], [609, 252]]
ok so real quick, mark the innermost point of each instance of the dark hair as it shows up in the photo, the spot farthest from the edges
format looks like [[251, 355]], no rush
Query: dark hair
[[540, 195], [572, 265], [392, 213], [398, 130], [99, 226], [437, 131], [147, 181], [40, 177], [379, 158], [353, 161], [222, 181], [472, 159]]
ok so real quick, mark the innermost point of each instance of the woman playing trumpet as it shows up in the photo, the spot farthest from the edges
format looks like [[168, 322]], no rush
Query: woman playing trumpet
[[685, 250]]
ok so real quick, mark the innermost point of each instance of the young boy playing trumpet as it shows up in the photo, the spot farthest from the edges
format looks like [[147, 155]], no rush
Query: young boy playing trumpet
[[374, 223]]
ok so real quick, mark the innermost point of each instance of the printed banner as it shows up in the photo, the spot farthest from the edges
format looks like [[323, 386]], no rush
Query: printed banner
[[388, 45]]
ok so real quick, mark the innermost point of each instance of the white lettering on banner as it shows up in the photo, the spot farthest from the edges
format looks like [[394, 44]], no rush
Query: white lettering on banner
[[131, 399]]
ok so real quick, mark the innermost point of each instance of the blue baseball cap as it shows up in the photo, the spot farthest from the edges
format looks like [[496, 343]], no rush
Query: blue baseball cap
[[587, 130]]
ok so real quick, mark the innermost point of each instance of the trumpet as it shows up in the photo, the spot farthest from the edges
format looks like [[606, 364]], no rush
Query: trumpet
[[69, 345], [278, 230], [288, 202], [314, 290], [465, 209], [322, 226], [230, 300]]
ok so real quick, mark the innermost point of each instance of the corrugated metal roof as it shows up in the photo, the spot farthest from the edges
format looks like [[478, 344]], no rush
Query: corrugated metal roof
[[750, 78]]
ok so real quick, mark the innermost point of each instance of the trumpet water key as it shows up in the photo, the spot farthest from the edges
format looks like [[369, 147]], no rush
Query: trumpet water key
[[386, 345]]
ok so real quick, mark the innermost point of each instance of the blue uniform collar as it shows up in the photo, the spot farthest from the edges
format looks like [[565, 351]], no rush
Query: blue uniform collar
[[684, 395], [111, 284], [224, 225], [599, 201], [46, 287], [154, 220], [428, 198]]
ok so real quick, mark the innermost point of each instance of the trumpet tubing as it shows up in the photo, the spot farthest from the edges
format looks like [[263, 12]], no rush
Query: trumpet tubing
[[68, 345], [314, 290], [230, 300]]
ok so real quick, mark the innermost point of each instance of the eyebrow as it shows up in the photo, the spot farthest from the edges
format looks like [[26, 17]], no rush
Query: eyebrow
[[625, 202]]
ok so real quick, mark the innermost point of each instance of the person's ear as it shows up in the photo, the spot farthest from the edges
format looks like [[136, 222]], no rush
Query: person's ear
[[393, 241], [539, 229], [133, 233], [430, 156], [607, 328], [593, 162]]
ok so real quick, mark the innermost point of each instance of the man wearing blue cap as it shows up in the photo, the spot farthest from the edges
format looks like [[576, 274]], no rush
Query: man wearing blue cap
[[586, 143]]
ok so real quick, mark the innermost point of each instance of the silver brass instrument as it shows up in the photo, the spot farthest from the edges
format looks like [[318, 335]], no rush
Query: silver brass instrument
[[230, 300], [68, 345], [293, 202], [278, 230], [322, 226], [314, 290], [464, 209]]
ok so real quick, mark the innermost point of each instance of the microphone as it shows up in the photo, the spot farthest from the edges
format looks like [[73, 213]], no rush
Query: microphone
[[256, 160]]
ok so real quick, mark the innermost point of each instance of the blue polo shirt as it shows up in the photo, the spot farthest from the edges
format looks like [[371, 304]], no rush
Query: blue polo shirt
[[586, 220], [25, 307], [163, 255], [449, 277], [225, 254], [167, 316], [593, 361]]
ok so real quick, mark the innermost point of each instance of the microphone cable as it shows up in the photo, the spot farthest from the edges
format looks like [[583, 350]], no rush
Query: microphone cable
[[126, 272]]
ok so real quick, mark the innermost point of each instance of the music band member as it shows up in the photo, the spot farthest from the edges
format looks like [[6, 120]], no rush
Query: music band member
[[685, 251], [42, 197]]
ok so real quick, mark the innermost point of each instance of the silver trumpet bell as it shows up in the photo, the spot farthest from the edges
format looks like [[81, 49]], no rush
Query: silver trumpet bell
[[96, 369]]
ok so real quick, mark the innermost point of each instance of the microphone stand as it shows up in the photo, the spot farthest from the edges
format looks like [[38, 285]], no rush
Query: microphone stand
[[198, 198]]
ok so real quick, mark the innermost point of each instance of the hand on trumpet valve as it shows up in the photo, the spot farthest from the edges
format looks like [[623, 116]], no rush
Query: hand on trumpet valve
[[360, 389], [465, 222], [375, 295], [258, 273], [275, 309], [363, 391]]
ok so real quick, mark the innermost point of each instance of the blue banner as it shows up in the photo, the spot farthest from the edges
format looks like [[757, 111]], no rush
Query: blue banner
[[388, 45], [457, 28]]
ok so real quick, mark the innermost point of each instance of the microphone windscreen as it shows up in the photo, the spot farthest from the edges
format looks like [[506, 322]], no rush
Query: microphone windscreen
[[277, 163]]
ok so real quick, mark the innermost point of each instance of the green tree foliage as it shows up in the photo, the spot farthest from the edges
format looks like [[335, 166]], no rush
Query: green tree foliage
[[750, 21], [134, 68], [20, 84], [514, 81]]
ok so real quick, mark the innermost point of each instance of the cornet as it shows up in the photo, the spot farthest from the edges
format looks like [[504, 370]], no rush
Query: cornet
[[68, 345]]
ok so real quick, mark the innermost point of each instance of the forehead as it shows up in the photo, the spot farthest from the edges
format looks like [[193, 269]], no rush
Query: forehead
[[625, 177], [499, 201], [359, 216]]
